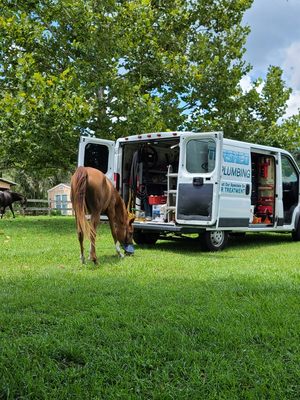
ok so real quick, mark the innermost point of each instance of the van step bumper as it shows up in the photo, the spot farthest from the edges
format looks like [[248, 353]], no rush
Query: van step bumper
[[165, 227], [156, 226]]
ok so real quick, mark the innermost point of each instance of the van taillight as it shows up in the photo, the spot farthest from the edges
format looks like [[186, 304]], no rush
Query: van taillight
[[117, 181]]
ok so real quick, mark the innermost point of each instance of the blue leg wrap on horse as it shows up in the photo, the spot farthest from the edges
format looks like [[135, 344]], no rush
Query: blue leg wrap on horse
[[129, 249]]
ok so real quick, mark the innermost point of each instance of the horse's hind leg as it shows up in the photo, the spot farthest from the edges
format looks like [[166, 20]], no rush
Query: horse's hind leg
[[95, 218], [80, 238]]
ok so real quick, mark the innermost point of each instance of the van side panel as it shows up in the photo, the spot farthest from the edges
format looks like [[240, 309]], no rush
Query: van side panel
[[235, 186]]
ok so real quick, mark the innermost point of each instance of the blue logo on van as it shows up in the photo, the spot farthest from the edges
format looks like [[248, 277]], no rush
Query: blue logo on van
[[235, 157]]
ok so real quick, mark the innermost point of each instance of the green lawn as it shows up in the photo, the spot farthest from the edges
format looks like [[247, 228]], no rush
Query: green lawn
[[172, 322]]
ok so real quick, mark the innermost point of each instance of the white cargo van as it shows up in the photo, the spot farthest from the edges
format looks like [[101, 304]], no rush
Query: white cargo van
[[184, 182]]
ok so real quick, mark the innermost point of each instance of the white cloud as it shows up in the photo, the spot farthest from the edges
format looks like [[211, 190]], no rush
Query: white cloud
[[291, 65], [291, 68], [293, 104], [246, 83]]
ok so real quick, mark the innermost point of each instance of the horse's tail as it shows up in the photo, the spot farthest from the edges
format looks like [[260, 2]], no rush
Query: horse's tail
[[78, 198]]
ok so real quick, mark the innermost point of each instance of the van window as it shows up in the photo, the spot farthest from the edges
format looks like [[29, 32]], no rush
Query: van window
[[200, 155], [288, 171], [96, 156]]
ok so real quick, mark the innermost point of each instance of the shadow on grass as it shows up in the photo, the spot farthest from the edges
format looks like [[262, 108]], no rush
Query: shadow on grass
[[103, 261], [195, 245]]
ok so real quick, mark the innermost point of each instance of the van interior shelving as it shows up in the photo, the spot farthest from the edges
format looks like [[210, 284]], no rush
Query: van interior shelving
[[263, 188], [148, 177]]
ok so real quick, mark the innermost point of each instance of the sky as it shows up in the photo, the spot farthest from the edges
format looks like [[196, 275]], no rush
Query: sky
[[275, 40]]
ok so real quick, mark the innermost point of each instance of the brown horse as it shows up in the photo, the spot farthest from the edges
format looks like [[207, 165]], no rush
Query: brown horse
[[93, 193]]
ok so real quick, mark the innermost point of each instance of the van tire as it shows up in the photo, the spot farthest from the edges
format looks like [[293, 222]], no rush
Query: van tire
[[215, 240], [145, 237], [296, 232]]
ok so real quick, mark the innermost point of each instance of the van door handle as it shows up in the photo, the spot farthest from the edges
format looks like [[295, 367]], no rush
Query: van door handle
[[247, 188], [198, 181]]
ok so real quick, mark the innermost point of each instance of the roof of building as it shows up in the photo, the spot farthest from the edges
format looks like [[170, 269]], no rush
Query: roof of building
[[7, 181], [66, 185]]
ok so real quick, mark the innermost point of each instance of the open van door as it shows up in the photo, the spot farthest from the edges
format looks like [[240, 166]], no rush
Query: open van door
[[97, 153], [198, 178]]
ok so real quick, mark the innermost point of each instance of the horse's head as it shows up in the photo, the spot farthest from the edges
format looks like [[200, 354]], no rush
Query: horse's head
[[125, 236]]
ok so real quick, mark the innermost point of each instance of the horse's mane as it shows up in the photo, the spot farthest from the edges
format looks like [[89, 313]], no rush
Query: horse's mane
[[121, 217]]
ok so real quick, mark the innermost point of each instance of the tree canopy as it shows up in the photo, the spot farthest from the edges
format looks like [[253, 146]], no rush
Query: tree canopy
[[115, 68]]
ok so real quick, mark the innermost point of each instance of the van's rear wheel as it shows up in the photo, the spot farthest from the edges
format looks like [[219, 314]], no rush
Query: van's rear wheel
[[145, 237], [215, 240]]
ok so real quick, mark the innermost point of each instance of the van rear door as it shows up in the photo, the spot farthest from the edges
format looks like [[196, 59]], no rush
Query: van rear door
[[97, 153], [198, 178]]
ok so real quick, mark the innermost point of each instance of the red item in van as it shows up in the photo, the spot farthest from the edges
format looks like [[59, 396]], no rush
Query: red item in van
[[265, 209], [157, 199]]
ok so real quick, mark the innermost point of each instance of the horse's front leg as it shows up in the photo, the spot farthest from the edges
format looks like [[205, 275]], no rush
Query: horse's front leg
[[94, 223], [111, 217], [118, 249], [11, 209]]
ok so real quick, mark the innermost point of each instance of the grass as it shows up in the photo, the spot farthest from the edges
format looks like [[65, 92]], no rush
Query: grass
[[172, 322]]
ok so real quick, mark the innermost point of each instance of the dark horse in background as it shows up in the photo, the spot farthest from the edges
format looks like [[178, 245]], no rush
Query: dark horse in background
[[93, 193], [7, 197]]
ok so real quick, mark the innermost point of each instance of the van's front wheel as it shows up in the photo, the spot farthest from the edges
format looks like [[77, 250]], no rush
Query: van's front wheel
[[215, 240]]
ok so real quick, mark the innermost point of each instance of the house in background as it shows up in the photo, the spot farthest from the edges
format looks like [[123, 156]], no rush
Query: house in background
[[5, 184], [59, 198]]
